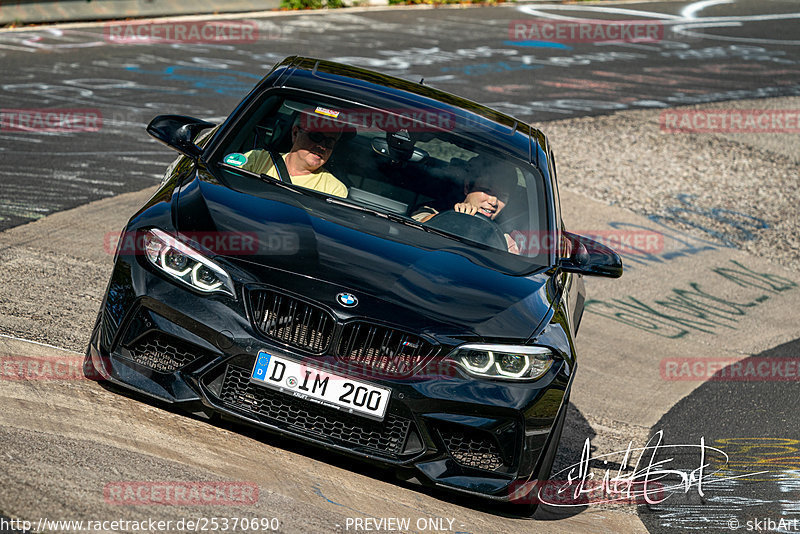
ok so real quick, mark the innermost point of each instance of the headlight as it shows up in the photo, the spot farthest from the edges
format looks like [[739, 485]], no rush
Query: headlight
[[183, 263], [512, 362]]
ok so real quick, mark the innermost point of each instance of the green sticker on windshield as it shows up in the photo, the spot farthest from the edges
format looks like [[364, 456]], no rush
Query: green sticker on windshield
[[236, 159]]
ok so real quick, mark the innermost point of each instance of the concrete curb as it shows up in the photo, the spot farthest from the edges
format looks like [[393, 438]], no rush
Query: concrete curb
[[30, 11], [55, 11]]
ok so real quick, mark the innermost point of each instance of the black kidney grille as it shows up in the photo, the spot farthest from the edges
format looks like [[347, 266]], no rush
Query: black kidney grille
[[472, 448], [163, 353], [387, 436], [389, 351], [291, 321]]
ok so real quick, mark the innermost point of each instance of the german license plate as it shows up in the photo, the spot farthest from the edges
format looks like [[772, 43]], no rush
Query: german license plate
[[319, 386]]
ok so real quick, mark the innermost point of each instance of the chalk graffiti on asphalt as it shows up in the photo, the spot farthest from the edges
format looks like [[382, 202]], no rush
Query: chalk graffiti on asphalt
[[684, 24], [690, 80], [50, 39], [691, 308], [752, 454], [569, 106], [745, 52], [481, 69], [738, 226], [675, 245], [764, 462], [221, 81], [402, 60]]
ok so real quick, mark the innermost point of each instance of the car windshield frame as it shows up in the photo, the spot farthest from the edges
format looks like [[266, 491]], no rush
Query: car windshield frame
[[251, 113]]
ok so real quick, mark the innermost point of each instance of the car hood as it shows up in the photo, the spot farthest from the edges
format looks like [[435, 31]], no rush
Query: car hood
[[437, 279]]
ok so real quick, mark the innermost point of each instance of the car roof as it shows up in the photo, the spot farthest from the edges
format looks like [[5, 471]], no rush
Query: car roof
[[381, 90]]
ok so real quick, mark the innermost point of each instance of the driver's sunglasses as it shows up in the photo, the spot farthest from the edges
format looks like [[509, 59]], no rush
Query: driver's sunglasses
[[321, 139]]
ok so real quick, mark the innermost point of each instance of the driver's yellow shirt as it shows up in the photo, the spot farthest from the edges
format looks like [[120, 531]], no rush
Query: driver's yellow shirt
[[260, 161]]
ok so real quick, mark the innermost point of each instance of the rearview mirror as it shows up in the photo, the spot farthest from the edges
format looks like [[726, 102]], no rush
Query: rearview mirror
[[398, 152], [586, 256], [178, 132]]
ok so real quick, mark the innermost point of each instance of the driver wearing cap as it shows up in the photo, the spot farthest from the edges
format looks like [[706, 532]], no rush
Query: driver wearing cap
[[313, 141]]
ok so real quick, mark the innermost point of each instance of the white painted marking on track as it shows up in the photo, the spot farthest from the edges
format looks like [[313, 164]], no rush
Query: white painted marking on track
[[688, 30], [536, 10], [39, 343], [690, 10], [682, 24]]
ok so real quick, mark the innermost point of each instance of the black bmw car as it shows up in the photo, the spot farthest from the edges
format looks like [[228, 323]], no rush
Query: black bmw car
[[363, 263]]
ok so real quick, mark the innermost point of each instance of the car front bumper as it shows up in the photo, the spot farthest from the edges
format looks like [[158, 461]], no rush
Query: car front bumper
[[482, 437]]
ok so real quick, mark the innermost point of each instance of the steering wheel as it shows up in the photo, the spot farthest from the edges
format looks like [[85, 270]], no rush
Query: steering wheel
[[478, 228]]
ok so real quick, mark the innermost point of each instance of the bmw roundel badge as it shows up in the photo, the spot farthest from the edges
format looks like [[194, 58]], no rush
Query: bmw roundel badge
[[348, 300]]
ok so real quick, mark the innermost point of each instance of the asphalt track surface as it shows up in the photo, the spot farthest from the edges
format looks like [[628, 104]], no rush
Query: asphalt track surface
[[721, 52], [750, 440], [65, 441]]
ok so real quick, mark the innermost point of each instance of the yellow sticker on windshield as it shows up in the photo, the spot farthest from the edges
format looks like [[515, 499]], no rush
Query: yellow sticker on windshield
[[326, 111]]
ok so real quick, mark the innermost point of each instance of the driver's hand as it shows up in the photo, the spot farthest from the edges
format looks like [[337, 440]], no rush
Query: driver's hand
[[512, 245], [464, 207]]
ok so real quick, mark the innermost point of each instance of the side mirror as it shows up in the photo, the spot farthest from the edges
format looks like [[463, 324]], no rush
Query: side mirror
[[178, 132], [586, 256]]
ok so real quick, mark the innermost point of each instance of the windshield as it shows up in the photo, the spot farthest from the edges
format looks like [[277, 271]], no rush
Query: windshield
[[417, 167]]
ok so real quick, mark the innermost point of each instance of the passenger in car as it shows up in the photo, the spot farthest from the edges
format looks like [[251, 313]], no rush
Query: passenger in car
[[486, 194], [312, 145]]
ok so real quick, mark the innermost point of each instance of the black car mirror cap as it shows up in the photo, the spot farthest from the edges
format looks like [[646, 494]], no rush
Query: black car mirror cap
[[178, 132], [582, 255], [382, 147]]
